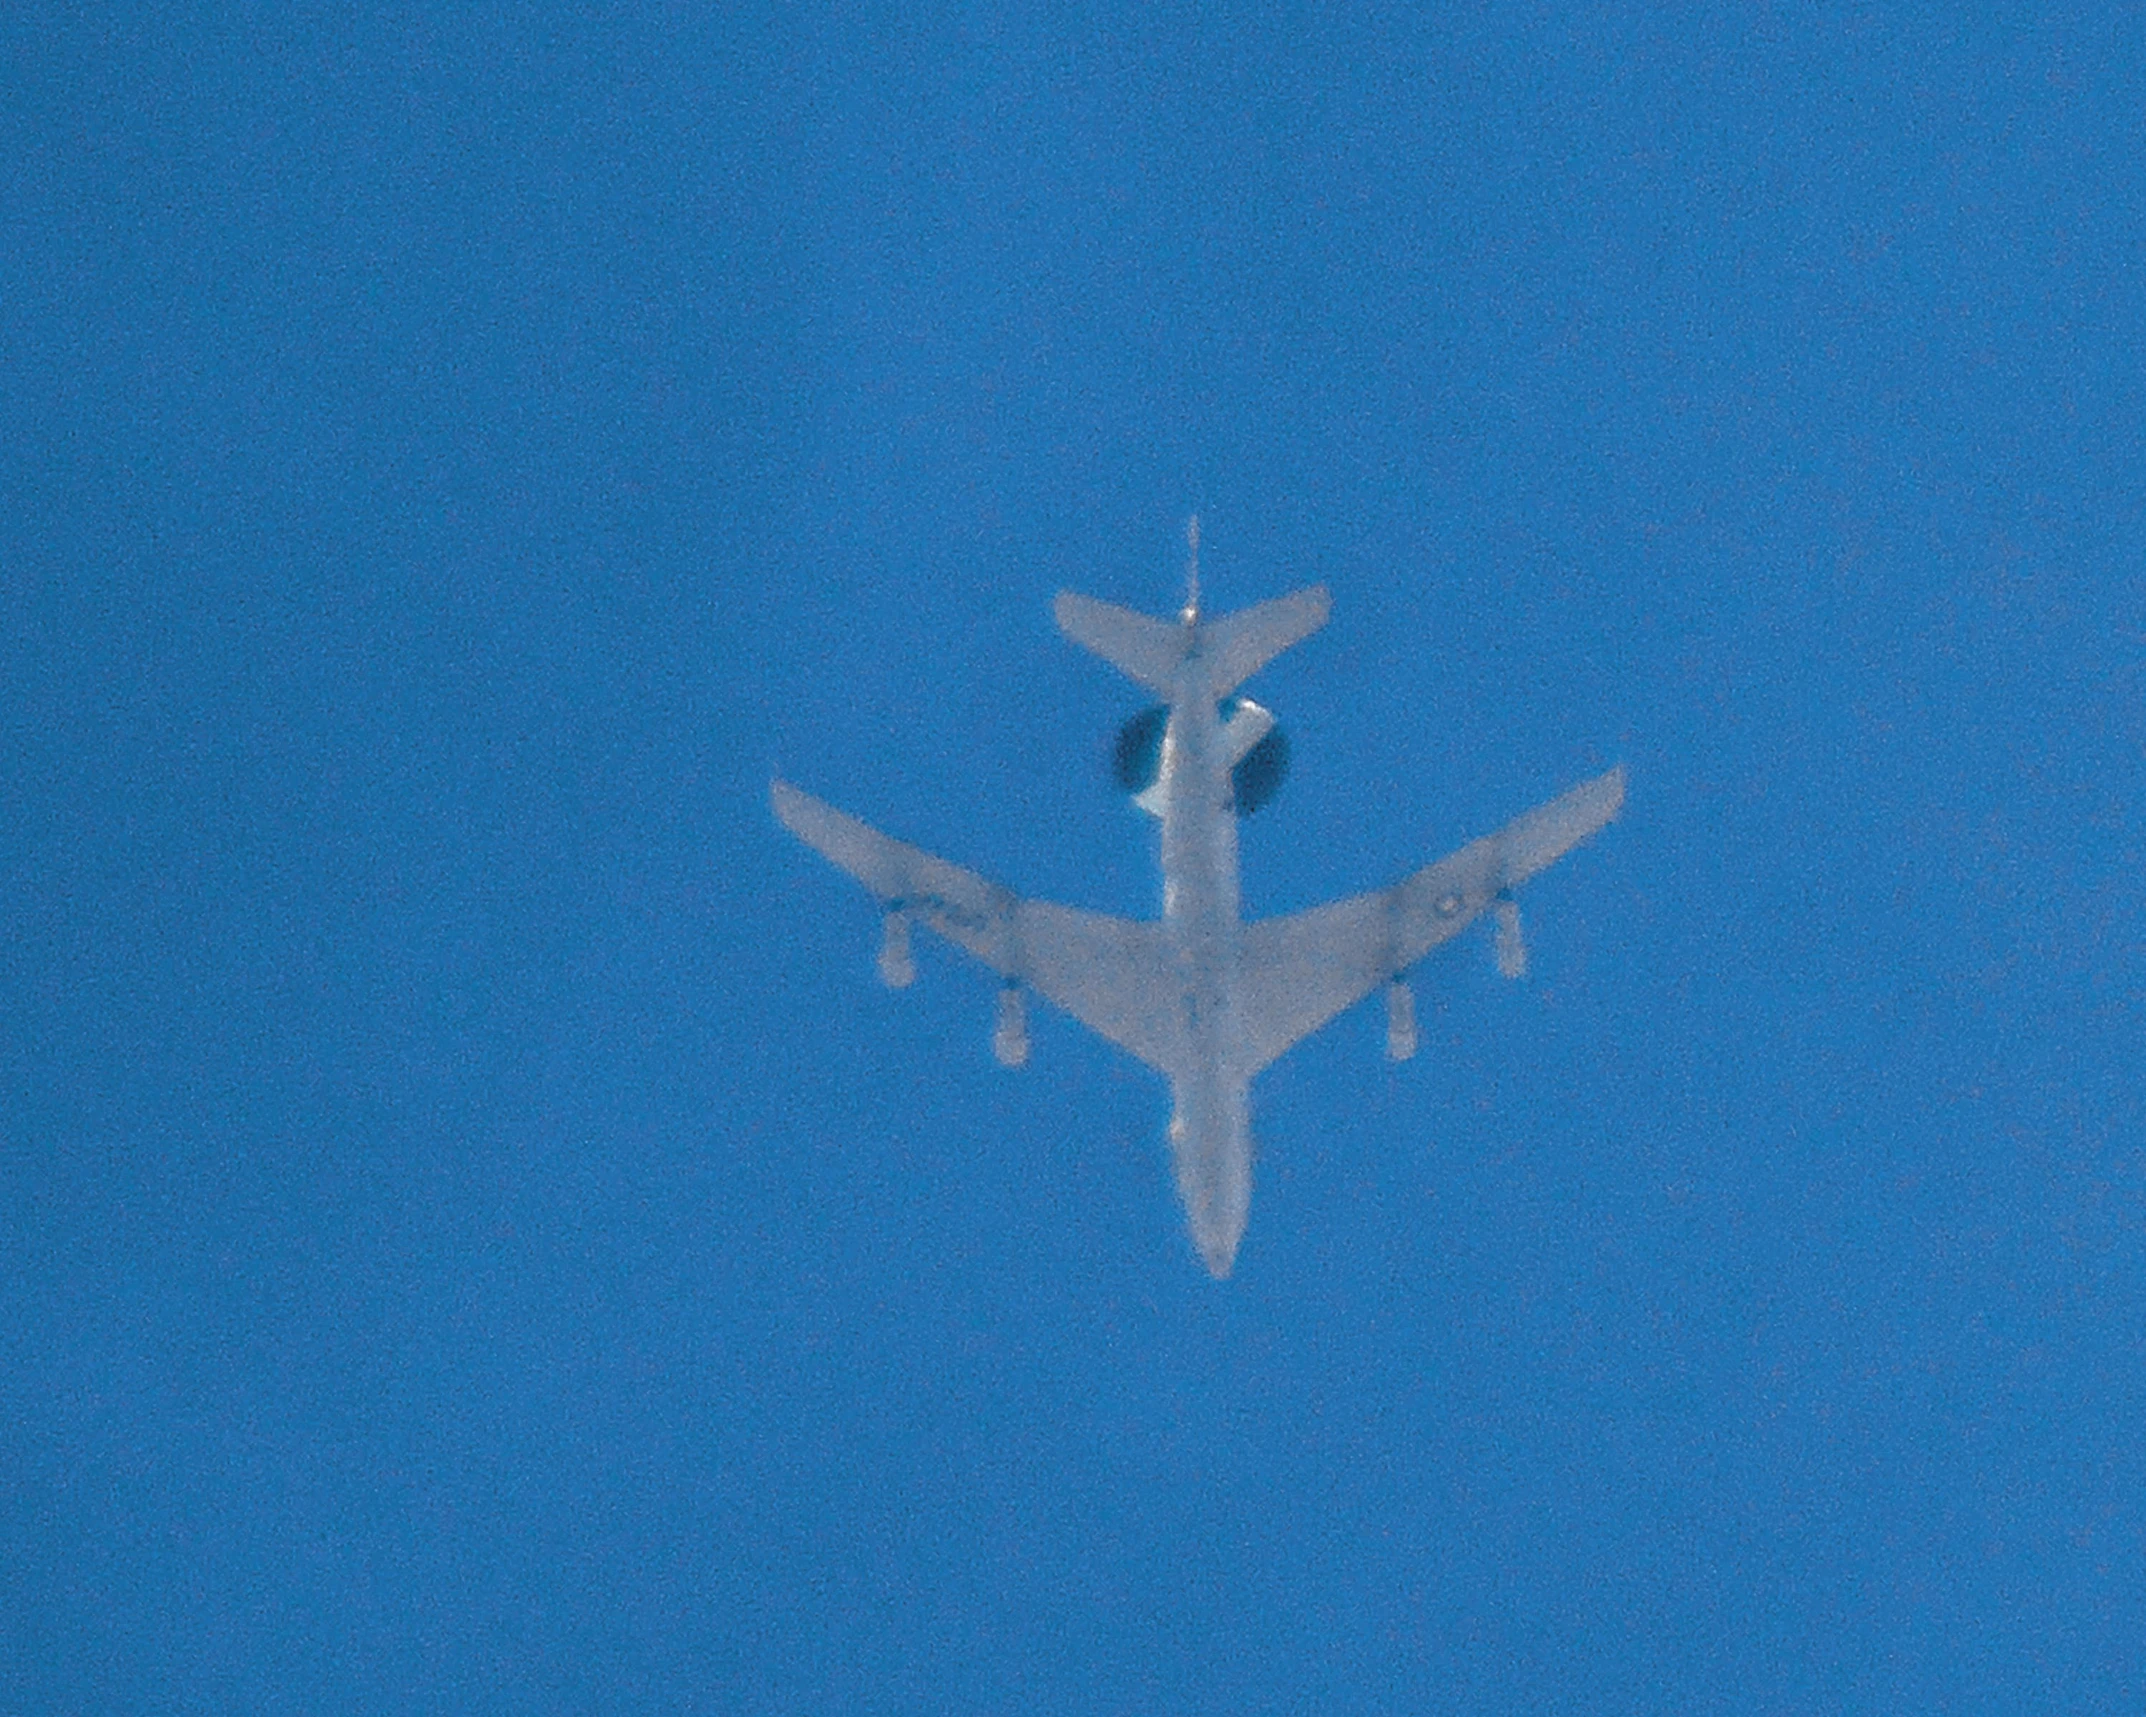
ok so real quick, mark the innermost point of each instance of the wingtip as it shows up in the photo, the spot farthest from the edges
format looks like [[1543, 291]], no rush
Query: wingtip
[[784, 800], [1067, 607]]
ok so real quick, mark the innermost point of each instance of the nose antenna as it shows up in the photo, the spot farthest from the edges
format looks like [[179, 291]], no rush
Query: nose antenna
[[1192, 571]]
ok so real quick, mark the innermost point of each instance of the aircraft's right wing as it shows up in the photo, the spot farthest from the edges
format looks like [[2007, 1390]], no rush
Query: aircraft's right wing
[[1114, 975], [1296, 973]]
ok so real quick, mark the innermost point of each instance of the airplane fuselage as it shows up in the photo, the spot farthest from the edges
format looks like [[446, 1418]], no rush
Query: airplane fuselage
[[1198, 995], [1210, 1124]]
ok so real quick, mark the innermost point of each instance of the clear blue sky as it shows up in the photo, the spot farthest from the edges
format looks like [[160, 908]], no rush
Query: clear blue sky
[[473, 1236]]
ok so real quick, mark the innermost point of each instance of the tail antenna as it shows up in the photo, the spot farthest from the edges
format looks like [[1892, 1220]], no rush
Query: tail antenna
[[1192, 571]]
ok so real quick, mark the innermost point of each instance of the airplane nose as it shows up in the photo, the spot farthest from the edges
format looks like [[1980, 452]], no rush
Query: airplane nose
[[1217, 1243]]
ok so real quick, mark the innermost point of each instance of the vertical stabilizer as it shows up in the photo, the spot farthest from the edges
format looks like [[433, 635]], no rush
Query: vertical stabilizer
[[1192, 570]]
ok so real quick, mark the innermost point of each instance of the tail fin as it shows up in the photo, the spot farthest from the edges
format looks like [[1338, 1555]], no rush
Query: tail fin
[[1151, 651], [1234, 647]]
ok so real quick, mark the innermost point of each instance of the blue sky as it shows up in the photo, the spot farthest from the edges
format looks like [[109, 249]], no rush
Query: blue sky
[[474, 1237]]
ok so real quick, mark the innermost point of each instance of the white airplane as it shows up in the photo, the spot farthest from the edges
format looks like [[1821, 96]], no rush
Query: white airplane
[[1200, 996]]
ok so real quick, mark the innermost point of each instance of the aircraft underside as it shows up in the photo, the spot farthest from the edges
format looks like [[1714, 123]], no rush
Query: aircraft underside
[[1204, 999]]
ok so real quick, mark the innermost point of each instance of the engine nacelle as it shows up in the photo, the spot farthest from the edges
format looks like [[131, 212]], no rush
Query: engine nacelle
[[1009, 1042], [1400, 1020], [897, 967], [1512, 952]]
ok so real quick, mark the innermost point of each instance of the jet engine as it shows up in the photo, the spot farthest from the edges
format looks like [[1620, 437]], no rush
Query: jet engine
[[1512, 951], [1400, 1020], [1009, 1042], [897, 966]]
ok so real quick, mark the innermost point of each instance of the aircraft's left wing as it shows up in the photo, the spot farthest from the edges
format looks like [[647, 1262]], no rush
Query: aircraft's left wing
[[1111, 974], [1296, 973]]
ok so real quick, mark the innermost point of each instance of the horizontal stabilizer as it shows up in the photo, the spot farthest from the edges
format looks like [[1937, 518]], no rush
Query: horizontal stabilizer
[[1238, 645], [1152, 651], [1146, 649]]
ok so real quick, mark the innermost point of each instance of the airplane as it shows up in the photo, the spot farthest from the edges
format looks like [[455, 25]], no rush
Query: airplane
[[1200, 996]]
